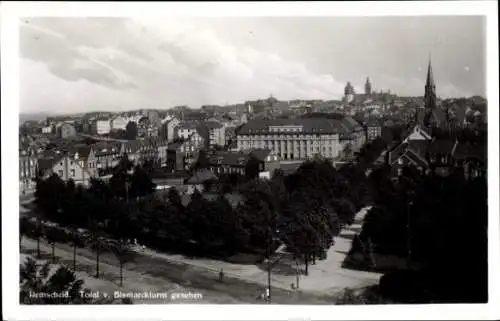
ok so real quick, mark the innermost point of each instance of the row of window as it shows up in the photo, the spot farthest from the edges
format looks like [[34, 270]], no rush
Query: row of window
[[28, 163], [224, 170], [301, 136], [295, 129], [315, 147], [61, 173], [289, 143]]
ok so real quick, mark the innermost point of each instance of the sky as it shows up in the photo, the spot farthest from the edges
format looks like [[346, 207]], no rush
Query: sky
[[71, 65]]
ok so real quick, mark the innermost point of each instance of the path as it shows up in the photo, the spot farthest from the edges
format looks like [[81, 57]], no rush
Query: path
[[325, 277], [147, 274]]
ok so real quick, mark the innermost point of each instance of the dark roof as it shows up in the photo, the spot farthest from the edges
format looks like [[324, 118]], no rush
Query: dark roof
[[201, 176], [359, 98], [174, 146], [420, 115], [310, 125], [439, 115], [416, 158], [134, 146], [289, 168], [419, 146], [470, 151], [260, 154], [228, 158], [213, 124], [352, 123], [106, 148], [441, 146], [154, 141], [82, 150], [165, 174], [188, 125], [45, 164], [372, 122], [202, 130]]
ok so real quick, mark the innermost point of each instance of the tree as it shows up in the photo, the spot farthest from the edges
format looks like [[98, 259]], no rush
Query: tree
[[38, 232], [131, 130], [54, 235], [259, 215], [24, 228], [119, 183], [95, 238], [141, 183], [124, 253], [198, 220], [37, 279], [252, 168], [76, 240]]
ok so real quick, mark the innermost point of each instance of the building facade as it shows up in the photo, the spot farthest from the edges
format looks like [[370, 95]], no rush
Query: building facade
[[101, 127], [28, 164], [216, 133], [299, 139], [119, 123], [67, 130], [373, 129]]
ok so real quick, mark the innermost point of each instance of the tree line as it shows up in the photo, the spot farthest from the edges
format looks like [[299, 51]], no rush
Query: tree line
[[438, 225], [303, 211]]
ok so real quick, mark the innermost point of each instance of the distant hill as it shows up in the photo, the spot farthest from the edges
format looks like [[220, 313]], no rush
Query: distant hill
[[23, 117]]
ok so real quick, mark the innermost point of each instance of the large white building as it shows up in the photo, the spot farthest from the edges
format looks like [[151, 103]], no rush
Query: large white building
[[47, 130], [119, 123], [301, 139], [101, 126]]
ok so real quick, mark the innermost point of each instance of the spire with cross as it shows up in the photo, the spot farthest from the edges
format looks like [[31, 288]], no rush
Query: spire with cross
[[430, 94]]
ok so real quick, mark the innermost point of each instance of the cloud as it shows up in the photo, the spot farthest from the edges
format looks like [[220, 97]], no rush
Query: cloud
[[64, 60], [159, 63]]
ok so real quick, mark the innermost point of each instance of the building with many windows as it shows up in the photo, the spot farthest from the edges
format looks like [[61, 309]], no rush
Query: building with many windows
[[119, 123], [28, 164], [304, 138], [101, 126], [216, 133], [373, 129]]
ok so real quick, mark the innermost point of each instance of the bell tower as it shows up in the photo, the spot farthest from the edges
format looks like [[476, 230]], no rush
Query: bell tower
[[368, 87], [430, 95]]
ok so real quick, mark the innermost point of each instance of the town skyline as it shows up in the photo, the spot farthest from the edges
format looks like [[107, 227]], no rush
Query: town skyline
[[139, 64]]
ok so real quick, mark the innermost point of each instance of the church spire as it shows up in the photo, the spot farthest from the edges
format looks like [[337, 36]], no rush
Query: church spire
[[430, 76], [368, 87], [430, 95]]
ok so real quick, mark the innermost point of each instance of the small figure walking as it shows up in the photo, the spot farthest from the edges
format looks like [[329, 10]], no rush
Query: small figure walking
[[221, 275]]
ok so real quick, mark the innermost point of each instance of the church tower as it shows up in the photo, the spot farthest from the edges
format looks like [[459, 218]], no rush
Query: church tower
[[368, 87], [349, 92], [430, 95]]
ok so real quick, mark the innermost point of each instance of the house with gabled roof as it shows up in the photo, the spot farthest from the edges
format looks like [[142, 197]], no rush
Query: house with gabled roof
[[107, 154], [78, 163]]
